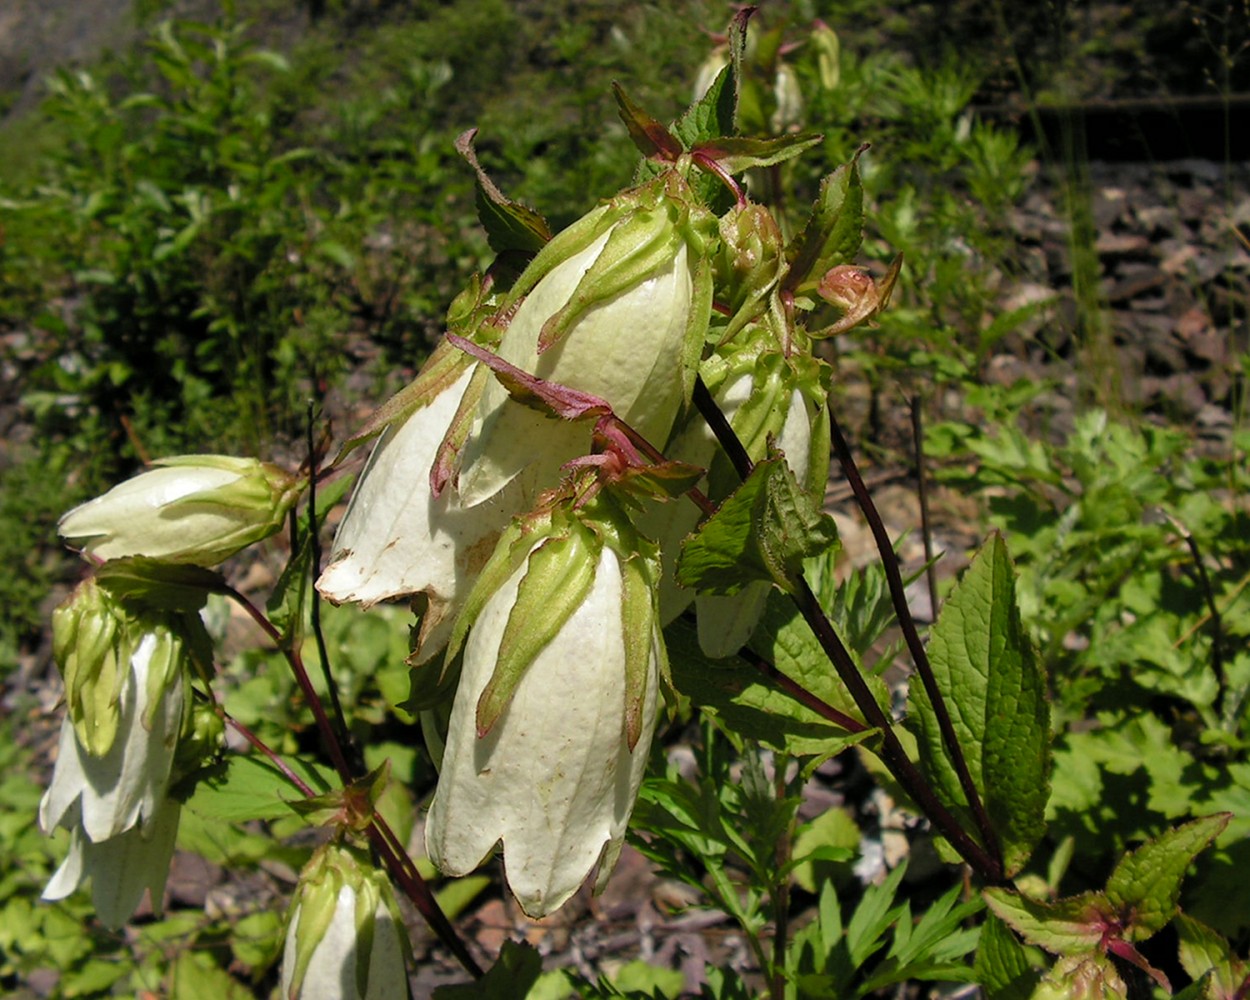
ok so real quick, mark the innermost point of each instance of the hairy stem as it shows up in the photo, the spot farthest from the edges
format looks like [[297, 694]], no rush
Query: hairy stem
[[894, 581], [390, 850], [987, 865]]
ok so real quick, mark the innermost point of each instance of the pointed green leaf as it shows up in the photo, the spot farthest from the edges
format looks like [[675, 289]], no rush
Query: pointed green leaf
[[763, 531], [833, 232], [994, 689], [1064, 927], [248, 788], [653, 140], [1146, 884], [1002, 964], [514, 972], [739, 153], [712, 116], [1204, 952], [750, 705], [509, 225]]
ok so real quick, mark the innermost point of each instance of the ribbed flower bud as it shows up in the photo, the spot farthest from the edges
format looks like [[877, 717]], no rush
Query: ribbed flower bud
[[345, 938], [552, 721], [198, 509]]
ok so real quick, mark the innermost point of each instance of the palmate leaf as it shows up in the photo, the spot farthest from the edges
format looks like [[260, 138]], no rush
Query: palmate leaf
[[994, 689]]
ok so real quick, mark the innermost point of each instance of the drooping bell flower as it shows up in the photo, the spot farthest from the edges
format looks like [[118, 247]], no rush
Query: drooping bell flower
[[553, 718], [128, 695], [399, 537], [615, 306], [197, 509]]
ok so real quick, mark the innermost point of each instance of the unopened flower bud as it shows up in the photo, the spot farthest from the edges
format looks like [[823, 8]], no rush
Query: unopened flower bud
[[860, 297], [198, 509], [345, 939]]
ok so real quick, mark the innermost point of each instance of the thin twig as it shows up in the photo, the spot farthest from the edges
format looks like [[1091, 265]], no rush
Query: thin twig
[[392, 853], [892, 752], [922, 493], [351, 751], [898, 596], [265, 750]]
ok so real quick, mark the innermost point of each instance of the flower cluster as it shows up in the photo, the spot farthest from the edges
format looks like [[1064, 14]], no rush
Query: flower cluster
[[518, 492], [129, 643]]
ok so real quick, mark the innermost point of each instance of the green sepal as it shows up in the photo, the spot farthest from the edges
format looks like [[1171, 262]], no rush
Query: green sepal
[[509, 225], [559, 573], [833, 232], [313, 906], [511, 550], [351, 807], [763, 531], [639, 582], [441, 370], [446, 465], [568, 243], [739, 153], [702, 291], [86, 636]]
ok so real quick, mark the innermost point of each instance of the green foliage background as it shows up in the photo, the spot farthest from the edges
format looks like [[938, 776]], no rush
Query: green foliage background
[[239, 214]]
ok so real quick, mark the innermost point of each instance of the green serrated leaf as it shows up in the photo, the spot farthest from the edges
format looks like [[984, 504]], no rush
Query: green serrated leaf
[[995, 693], [833, 232], [1002, 964], [195, 974], [1203, 952], [1065, 927], [739, 153], [558, 576], [1146, 884], [712, 116], [653, 140], [509, 225], [763, 531], [251, 788], [748, 704]]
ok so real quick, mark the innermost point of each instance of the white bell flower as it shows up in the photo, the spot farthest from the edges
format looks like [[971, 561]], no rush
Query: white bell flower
[[616, 316], [398, 539], [121, 867], [198, 509], [556, 775]]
